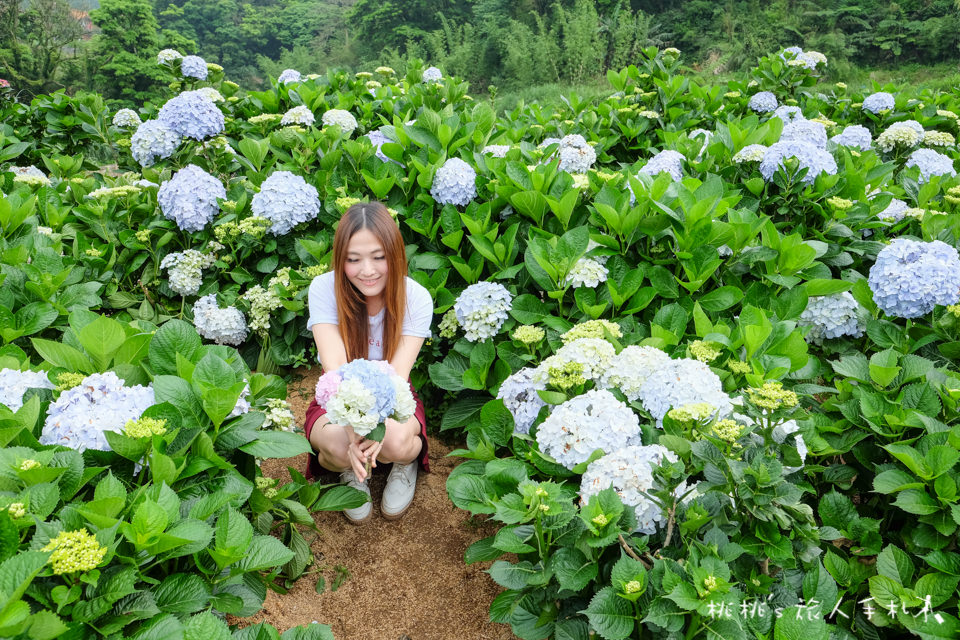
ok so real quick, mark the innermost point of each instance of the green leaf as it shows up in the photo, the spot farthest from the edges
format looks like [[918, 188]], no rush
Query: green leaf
[[62, 355], [206, 626], [512, 576], [721, 299], [574, 570], [163, 627], [339, 498], [175, 336], [182, 593], [101, 339], [482, 551], [836, 510], [266, 552], [797, 623], [496, 422], [610, 615], [917, 502], [18, 572], [277, 444], [893, 480], [894, 563], [940, 587], [46, 625], [308, 632]]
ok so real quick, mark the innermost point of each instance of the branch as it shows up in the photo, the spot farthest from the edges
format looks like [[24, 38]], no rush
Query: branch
[[632, 553]]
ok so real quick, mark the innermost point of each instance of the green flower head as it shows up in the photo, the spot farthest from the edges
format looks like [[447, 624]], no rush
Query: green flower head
[[566, 376], [704, 351], [75, 551], [449, 325], [145, 428], [592, 329], [772, 396], [528, 334]]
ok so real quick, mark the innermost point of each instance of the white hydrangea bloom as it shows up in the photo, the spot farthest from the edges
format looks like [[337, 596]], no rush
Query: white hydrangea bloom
[[579, 426], [355, 405], [679, 382], [14, 383], [185, 270], [289, 75], [166, 56], [831, 317], [497, 150], [279, 416], [587, 272], [341, 118], [298, 115], [595, 354], [126, 118], [750, 153], [404, 405], [899, 134], [454, 183], [894, 211], [223, 326], [520, 397], [630, 368], [211, 94], [482, 309]]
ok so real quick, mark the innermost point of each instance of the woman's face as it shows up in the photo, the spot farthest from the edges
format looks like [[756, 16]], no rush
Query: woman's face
[[366, 265]]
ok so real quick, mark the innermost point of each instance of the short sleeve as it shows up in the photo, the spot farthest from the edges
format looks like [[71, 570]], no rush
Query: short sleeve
[[322, 300], [419, 314]]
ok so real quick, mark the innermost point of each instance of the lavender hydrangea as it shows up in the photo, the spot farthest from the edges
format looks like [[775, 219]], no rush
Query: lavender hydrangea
[[378, 138], [680, 382], [341, 118], [931, 163], [81, 415], [877, 102], [189, 198], [371, 375], [14, 383], [192, 115], [298, 115], [788, 114], [185, 270], [629, 471], [289, 75], [576, 154], [630, 368], [763, 102], [223, 326], [432, 74], [667, 161], [520, 397], [286, 200], [894, 211], [832, 317], [126, 118], [585, 423], [496, 150], [193, 67], [809, 156], [482, 309], [910, 278], [454, 183], [855, 135], [805, 131], [153, 141]]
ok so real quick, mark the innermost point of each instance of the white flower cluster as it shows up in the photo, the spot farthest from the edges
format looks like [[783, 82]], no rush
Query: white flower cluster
[[192, 115], [629, 471], [189, 198], [286, 200], [298, 115], [763, 102], [587, 272], [831, 317], [166, 56], [262, 303], [877, 102], [223, 326], [210, 93], [29, 175], [750, 153], [899, 135], [482, 309], [152, 141], [378, 138], [79, 417], [630, 368], [576, 154], [938, 139], [585, 423], [243, 405], [341, 118], [668, 161], [14, 383], [679, 382], [931, 163], [431, 74], [496, 150], [278, 416], [594, 354], [289, 75], [193, 67], [126, 118], [185, 270], [454, 183], [519, 395], [855, 135]]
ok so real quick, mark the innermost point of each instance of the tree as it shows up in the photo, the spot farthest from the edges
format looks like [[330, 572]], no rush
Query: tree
[[37, 42]]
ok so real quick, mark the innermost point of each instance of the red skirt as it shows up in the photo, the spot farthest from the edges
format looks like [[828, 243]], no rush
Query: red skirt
[[315, 469]]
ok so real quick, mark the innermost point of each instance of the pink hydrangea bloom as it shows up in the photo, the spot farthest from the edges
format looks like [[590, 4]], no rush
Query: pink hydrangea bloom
[[327, 387]]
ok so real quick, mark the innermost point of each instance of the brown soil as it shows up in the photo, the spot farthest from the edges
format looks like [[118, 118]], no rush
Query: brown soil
[[407, 578]]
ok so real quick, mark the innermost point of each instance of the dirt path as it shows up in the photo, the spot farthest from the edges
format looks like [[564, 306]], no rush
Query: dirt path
[[407, 579]]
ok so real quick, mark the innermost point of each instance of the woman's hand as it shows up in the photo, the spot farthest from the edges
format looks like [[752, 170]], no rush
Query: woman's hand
[[370, 449], [356, 455]]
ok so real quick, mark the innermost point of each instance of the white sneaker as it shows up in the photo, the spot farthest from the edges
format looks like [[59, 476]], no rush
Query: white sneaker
[[363, 512], [398, 494]]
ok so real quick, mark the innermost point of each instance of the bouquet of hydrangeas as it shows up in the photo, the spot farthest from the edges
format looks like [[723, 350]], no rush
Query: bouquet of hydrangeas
[[362, 394]]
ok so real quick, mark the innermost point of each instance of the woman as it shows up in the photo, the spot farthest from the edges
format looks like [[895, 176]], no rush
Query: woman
[[367, 307]]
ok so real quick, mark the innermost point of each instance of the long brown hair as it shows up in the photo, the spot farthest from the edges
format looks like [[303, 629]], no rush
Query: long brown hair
[[351, 304]]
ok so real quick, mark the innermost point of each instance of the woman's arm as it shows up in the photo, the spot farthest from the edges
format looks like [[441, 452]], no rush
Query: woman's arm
[[406, 355], [330, 349]]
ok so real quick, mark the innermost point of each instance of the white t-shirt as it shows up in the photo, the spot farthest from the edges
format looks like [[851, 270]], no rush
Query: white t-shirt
[[416, 321]]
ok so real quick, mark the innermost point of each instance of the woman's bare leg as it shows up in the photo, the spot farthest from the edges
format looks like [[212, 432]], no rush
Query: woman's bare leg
[[330, 442]]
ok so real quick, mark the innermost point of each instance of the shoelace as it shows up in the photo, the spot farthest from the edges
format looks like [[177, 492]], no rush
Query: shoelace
[[397, 471]]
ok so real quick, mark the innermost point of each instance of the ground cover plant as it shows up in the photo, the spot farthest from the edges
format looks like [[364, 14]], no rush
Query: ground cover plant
[[699, 342]]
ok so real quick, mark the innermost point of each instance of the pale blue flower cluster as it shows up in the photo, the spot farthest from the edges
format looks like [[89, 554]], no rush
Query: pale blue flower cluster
[[894, 211], [185, 270], [831, 317], [286, 200], [629, 471], [763, 102], [681, 382], [630, 368], [289, 75], [378, 138], [189, 198], [931, 163], [192, 115], [910, 278], [153, 141], [14, 383], [585, 423], [520, 397], [805, 131], [432, 74], [81, 415], [126, 118], [454, 183], [576, 154], [877, 102], [667, 161], [856, 135], [223, 326], [788, 114], [496, 150], [482, 309], [809, 156], [807, 59], [193, 67]]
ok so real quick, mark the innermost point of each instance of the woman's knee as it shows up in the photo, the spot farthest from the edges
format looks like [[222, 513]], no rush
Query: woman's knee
[[329, 442], [400, 440]]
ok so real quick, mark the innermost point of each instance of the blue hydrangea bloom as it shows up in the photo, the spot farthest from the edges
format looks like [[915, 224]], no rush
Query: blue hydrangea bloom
[[454, 183], [375, 380], [192, 115], [193, 67], [289, 75], [809, 156], [763, 102], [795, 52], [877, 102], [152, 141], [432, 74], [855, 135], [189, 198], [931, 163], [910, 278], [378, 138], [788, 113], [832, 317], [286, 200], [805, 131], [668, 161], [894, 211]]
